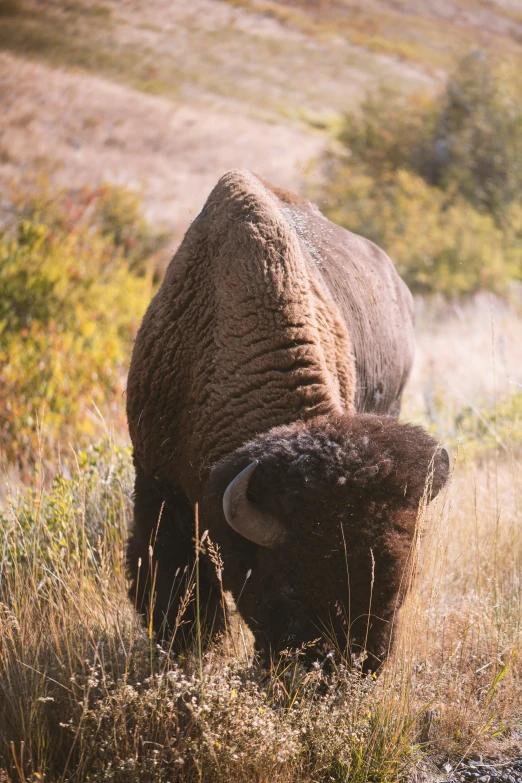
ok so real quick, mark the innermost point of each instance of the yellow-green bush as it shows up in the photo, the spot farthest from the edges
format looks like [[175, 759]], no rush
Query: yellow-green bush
[[478, 428], [466, 140], [438, 243], [437, 181], [71, 298], [392, 131]]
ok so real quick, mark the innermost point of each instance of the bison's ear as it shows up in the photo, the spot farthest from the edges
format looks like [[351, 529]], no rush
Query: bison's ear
[[427, 476], [440, 472]]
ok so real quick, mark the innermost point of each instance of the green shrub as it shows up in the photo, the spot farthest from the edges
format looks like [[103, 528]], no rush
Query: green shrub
[[467, 140], [118, 214], [438, 244], [476, 144], [392, 131], [437, 181], [72, 294]]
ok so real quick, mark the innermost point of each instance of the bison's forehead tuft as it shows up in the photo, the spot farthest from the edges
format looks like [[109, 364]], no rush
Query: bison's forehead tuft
[[320, 453], [373, 456]]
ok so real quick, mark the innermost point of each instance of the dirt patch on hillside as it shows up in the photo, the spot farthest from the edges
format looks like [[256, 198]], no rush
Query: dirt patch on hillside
[[165, 97], [85, 130]]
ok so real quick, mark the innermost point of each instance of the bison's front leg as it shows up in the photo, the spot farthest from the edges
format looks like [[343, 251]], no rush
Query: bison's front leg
[[161, 566]]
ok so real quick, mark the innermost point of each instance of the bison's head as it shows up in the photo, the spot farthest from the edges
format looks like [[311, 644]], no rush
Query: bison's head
[[315, 521]]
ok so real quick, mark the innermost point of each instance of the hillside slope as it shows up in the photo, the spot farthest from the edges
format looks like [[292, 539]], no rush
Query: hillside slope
[[165, 96]]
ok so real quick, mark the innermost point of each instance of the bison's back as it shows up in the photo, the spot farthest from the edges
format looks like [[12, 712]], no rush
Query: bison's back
[[268, 313], [375, 304], [239, 339]]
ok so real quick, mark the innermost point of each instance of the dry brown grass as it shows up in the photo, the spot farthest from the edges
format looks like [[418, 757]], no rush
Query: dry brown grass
[[84, 131], [87, 695], [467, 378], [186, 90]]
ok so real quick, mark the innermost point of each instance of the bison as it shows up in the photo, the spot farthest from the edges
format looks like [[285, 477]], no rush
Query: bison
[[264, 386]]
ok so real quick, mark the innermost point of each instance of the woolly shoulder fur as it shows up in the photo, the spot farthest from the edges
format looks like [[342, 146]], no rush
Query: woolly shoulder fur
[[241, 337]]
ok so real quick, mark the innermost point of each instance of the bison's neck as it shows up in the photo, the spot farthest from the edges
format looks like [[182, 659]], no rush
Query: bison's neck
[[244, 338]]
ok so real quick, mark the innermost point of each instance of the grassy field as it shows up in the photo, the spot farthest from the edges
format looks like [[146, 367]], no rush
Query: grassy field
[[167, 96]]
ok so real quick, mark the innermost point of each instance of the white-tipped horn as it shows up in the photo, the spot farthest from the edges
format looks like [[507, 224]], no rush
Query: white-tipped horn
[[244, 517]]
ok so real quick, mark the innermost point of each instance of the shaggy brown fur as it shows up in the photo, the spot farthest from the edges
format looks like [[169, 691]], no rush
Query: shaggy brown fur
[[273, 328], [348, 490]]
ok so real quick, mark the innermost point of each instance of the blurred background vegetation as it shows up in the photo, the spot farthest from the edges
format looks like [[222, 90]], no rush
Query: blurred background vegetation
[[76, 274], [437, 181]]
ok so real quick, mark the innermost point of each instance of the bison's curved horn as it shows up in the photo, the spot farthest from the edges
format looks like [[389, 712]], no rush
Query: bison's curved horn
[[244, 517]]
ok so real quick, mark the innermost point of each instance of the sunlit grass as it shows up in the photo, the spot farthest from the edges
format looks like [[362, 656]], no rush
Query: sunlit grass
[[396, 30]]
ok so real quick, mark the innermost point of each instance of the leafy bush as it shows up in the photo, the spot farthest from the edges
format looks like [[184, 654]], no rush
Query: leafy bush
[[477, 140], [438, 243], [438, 182], [391, 132], [73, 288], [468, 140]]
